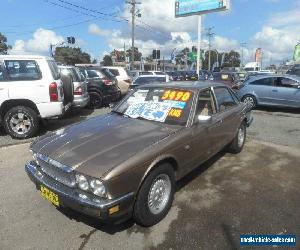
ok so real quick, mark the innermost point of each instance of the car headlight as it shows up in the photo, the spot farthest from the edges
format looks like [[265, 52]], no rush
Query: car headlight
[[83, 183], [97, 187]]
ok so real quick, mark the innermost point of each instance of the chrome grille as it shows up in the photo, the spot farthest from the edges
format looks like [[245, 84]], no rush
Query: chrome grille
[[62, 175]]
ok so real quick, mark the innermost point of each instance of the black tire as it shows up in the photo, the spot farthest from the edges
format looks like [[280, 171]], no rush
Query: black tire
[[96, 100], [250, 99], [30, 118], [141, 211], [68, 88], [236, 146]]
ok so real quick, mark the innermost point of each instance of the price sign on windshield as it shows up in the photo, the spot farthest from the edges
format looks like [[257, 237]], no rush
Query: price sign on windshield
[[175, 95]]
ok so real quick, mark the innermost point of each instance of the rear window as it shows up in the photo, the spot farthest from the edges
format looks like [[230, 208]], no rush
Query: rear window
[[94, 74], [54, 69], [22, 70], [115, 72]]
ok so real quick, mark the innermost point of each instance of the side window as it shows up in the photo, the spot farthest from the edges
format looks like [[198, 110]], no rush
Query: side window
[[286, 82], [115, 72], [1, 72], [264, 82], [224, 99], [22, 70], [206, 105]]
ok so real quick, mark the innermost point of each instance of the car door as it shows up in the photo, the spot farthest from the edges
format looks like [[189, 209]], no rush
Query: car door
[[3, 84], [205, 134], [228, 115], [265, 90], [288, 92]]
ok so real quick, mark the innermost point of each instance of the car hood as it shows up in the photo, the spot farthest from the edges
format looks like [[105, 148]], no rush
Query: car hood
[[95, 146]]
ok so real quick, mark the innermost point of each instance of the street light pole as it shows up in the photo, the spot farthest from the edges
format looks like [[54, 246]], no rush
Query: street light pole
[[199, 45], [210, 35], [133, 4]]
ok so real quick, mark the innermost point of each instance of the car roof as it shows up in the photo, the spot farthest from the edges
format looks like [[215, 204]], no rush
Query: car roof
[[145, 76], [193, 85], [24, 57], [262, 76]]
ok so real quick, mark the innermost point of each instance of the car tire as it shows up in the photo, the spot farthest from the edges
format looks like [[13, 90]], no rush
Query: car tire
[[237, 145], [251, 100], [21, 122], [155, 196], [68, 88], [96, 100]]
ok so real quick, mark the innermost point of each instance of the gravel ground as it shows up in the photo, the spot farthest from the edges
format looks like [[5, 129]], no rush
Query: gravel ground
[[254, 192]]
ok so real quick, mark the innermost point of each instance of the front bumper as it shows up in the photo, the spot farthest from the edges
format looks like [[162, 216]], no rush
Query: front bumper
[[73, 198]]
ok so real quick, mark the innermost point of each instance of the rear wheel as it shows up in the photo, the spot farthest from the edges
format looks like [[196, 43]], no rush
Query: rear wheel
[[21, 122], [236, 146], [250, 100], [96, 100], [155, 197]]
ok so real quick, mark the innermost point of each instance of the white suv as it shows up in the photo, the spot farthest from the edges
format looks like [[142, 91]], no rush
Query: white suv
[[123, 78], [30, 89]]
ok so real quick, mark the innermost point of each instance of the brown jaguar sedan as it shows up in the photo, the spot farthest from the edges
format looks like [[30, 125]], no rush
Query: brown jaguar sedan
[[126, 163]]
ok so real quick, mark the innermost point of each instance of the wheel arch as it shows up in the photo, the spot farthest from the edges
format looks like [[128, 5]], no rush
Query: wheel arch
[[156, 163], [8, 104]]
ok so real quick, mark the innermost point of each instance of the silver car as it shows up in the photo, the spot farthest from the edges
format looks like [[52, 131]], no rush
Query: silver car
[[81, 95], [271, 90]]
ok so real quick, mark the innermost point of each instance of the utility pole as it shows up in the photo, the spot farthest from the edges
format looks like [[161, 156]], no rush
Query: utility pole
[[243, 45], [133, 4], [210, 35]]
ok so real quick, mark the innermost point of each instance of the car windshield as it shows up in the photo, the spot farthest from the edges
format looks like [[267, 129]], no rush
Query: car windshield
[[166, 105]]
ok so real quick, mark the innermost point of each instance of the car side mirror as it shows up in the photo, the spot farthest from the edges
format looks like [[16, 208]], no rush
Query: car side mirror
[[203, 118]]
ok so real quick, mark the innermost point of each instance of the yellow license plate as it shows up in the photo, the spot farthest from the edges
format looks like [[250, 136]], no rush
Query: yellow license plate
[[50, 196]]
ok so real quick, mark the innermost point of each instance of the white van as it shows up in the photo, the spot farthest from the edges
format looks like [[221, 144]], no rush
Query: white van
[[30, 89]]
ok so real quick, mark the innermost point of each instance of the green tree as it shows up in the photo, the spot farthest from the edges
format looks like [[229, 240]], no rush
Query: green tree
[[71, 56], [107, 61], [137, 54], [232, 59], [3, 44]]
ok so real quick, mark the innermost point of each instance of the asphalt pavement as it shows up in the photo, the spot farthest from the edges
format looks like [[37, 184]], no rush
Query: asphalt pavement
[[254, 192]]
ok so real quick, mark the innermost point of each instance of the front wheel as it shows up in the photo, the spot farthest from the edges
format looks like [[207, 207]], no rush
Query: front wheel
[[155, 197], [21, 122], [250, 100], [236, 146]]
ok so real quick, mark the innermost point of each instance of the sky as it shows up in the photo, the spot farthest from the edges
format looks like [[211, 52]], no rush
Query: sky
[[100, 26]]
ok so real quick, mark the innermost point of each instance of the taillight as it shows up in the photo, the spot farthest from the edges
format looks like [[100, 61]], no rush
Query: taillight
[[128, 81], [107, 82], [78, 91], [53, 93]]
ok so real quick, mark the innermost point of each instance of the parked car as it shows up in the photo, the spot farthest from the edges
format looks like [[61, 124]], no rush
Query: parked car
[[102, 86], [147, 79], [295, 70], [81, 95], [189, 75], [123, 77], [30, 90], [276, 90], [126, 163], [230, 79], [174, 76]]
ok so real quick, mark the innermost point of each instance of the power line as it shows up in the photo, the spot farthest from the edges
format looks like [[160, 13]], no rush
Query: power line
[[84, 13], [87, 9]]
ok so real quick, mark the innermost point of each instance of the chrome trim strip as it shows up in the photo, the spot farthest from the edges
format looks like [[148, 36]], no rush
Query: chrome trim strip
[[32, 172], [54, 163]]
